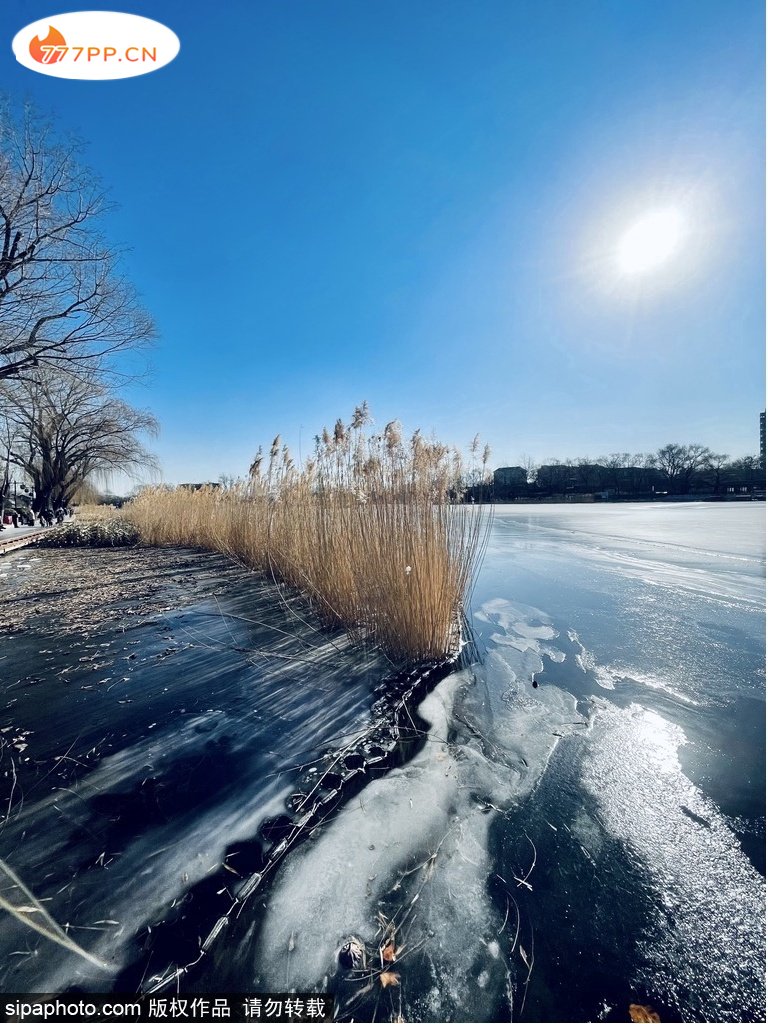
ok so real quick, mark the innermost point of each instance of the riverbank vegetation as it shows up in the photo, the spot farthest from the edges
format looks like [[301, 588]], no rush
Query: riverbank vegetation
[[96, 526], [372, 529]]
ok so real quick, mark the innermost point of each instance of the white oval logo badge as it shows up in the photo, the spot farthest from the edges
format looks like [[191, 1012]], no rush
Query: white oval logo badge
[[95, 45]]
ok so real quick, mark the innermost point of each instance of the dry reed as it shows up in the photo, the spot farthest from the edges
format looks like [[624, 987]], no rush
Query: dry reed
[[372, 529]]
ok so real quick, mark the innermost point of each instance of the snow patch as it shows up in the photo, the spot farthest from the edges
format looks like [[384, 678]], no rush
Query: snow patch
[[414, 847]]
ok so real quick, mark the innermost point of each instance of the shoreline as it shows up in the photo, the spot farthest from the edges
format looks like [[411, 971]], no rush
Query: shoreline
[[145, 608], [509, 783]]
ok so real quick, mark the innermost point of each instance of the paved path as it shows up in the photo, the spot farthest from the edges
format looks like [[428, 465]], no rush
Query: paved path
[[13, 538]]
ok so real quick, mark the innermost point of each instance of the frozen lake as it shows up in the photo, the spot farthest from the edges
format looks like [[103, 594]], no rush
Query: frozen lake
[[653, 884], [557, 853], [549, 854]]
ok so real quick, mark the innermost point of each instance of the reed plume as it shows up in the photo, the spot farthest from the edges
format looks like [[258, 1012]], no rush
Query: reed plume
[[371, 528]]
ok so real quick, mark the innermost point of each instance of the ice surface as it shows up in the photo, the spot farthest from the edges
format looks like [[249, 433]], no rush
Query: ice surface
[[156, 745], [415, 845], [631, 765], [711, 900], [684, 529], [657, 609]]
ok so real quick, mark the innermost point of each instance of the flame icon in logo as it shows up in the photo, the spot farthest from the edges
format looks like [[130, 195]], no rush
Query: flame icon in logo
[[49, 50]]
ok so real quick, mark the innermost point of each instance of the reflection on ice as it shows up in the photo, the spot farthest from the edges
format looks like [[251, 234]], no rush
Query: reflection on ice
[[659, 608], [709, 954]]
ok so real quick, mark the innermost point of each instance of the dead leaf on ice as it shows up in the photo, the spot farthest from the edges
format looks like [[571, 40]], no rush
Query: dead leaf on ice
[[643, 1014], [389, 953], [389, 978]]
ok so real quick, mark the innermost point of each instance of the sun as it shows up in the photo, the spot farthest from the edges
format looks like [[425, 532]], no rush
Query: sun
[[650, 241]]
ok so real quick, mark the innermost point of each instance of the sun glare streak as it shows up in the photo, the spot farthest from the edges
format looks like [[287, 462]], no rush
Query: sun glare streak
[[650, 241]]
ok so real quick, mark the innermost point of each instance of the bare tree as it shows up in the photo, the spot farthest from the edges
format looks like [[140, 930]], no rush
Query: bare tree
[[66, 430], [679, 462], [528, 463], [643, 472], [613, 466], [747, 471], [63, 301], [715, 464], [7, 434]]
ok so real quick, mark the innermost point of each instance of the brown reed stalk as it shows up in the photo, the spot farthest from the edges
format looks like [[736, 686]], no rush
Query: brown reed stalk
[[372, 529]]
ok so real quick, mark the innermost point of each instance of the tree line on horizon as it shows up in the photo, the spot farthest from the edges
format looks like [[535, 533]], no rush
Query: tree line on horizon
[[674, 469], [70, 323]]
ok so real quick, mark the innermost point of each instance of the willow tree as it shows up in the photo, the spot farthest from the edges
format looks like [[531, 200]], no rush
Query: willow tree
[[65, 430], [64, 303]]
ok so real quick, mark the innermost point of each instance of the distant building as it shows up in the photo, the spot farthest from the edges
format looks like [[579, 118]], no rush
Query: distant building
[[557, 478], [510, 476], [762, 438]]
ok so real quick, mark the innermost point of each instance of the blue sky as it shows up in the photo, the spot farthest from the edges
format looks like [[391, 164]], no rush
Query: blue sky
[[419, 203]]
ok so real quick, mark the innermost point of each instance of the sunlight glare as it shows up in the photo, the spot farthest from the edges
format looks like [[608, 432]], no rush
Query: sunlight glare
[[650, 241]]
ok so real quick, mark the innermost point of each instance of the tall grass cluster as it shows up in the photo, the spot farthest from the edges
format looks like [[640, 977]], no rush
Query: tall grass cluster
[[371, 528]]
